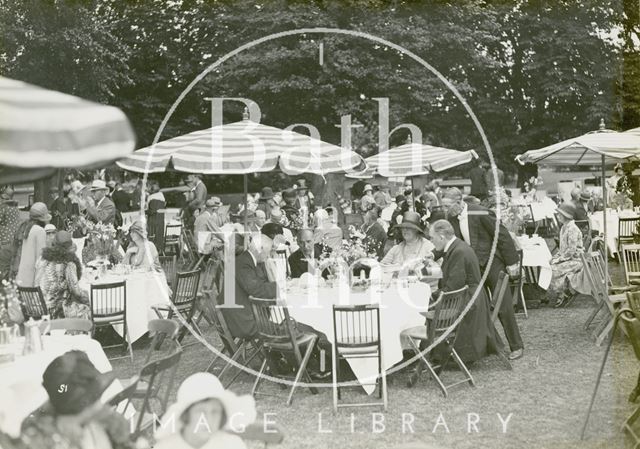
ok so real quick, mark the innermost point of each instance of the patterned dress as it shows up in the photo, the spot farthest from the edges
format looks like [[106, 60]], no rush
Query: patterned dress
[[567, 263]]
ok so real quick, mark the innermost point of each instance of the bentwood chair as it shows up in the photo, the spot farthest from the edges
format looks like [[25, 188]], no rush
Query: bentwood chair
[[109, 308], [356, 331], [626, 228], [441, 325], [32, 302], [631, 258], [183, 302], [278, 334]]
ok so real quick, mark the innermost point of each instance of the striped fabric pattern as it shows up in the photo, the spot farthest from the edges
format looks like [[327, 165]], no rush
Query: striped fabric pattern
[[44, 128], [587, 149], [242, 147], [414, 159]]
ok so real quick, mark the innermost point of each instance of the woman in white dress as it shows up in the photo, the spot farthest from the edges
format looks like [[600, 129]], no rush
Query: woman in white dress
[[141, 252]]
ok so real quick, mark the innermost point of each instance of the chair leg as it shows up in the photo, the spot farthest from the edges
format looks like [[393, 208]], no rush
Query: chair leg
[[593, 315], [383, 374], [334, 375], [524, 303], [302, 371], [463, 367], [602, 336], [435, 376], [413, 379], [238, 372], [254, 390]]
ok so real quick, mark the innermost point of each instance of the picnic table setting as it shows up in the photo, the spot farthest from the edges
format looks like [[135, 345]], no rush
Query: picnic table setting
[[231, 225]]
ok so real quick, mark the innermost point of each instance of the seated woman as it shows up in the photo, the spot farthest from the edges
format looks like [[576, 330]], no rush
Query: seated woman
[[90, 251], [74, 417], [141, 252], [203, 415], [57, 274], [414, 245], [568, 277]]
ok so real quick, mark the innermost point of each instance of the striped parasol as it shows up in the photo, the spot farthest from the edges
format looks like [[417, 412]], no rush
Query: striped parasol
[[42, 129], [414, 159], [240, 148]]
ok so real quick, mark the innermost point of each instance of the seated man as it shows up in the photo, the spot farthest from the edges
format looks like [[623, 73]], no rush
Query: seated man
[[476, 335], [305, 258]]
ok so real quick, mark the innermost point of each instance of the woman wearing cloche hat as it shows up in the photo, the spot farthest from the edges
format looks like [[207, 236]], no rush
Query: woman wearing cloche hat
[[203, 414], [30, 238], [414, 245]]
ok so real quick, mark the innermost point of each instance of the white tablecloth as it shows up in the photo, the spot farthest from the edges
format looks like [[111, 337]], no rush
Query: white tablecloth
[[144, 290], [535, 253], [170, 214], [400, 309], [21, 387], [612, 226], [546, 208]]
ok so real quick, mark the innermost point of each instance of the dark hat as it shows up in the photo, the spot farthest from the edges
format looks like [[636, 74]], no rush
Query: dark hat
[[289, 193], [63, 240], [266, 193], [73, 383], [567, 211], [585, 195], [400, 199], [411, 220], [271, 230]]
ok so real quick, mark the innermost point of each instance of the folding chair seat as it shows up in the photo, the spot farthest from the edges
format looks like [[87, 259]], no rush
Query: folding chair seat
[[32, 302], [277, 334], [443, 322], [109, 308], [356, 331]]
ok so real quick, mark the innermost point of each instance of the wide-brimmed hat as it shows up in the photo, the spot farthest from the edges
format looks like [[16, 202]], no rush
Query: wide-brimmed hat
[[585, 195], [567, 211], [39, 211], [239, 410], [411, 220], [73, 383], [214, 201], [98, 184], [266, 193]]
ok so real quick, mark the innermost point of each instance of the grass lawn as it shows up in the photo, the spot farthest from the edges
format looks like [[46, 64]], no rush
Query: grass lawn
[[546, 396]]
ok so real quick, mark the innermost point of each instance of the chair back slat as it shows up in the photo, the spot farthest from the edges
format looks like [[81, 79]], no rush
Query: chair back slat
[[272, 320], [447, 310], [594, 277], [168, 264], [185, 290], [599, 267], [631, 258], [627, 227], [32, 302], [109, 302], [209, 275], [356, 326]]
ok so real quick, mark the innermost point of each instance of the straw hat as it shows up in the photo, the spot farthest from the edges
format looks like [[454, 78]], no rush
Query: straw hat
[[98, 184], [241, 410]]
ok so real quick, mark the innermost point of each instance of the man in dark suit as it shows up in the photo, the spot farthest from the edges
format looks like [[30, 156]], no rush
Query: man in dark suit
[[307, 251], [250, 280], [476, 225], [476, 335], [375, 237]]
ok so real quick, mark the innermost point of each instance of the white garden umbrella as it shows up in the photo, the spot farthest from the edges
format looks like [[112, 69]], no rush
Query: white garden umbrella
[[42, 130]]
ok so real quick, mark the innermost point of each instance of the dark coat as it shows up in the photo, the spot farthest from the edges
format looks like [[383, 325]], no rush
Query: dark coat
[[250, 280], [476, 335], [376, 239], [297, 263]]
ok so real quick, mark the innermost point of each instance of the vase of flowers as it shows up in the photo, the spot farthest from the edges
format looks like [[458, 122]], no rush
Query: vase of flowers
[[10, 307]]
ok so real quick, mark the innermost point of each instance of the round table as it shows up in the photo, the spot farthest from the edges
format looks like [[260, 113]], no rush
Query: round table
[[400, 307], [145, 289]]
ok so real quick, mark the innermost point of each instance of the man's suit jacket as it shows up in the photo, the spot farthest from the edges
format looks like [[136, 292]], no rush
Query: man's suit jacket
[[482, 227], [250, 280], [460, 267], [104, 212], [297, 261], [376, 238]]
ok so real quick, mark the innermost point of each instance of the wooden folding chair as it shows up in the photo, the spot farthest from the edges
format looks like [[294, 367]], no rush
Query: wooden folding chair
[[169, 266], [191, 249], [440, 320], [631, 258], [516, 285], [184, 302], [121, 401], [277, 335], [164, 338], [356, 331], [109, 308], [585, 229], [32, 302], [153, 375], [172, 233], [626, 228]]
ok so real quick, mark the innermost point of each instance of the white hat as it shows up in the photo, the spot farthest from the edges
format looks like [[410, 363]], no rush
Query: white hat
[[98, 184], [77, 186], [239, 410], [49, 228], [367, 188]]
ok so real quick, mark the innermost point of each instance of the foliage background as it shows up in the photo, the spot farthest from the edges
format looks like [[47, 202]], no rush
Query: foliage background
[[533, 72]]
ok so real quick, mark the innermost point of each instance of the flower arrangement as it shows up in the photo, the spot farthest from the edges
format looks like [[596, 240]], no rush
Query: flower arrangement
[[10, 308], [530, 188]]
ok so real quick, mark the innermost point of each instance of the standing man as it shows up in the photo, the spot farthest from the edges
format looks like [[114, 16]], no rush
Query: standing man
[[197, 198], [478, 182], [375, 238], [102, 208], [476, 225]]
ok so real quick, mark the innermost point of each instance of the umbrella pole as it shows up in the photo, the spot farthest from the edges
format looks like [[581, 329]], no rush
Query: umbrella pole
[[245, 182], [413, 200], [604, 224]]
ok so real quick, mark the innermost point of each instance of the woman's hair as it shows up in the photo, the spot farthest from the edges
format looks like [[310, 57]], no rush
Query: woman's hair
[[185, 415]]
